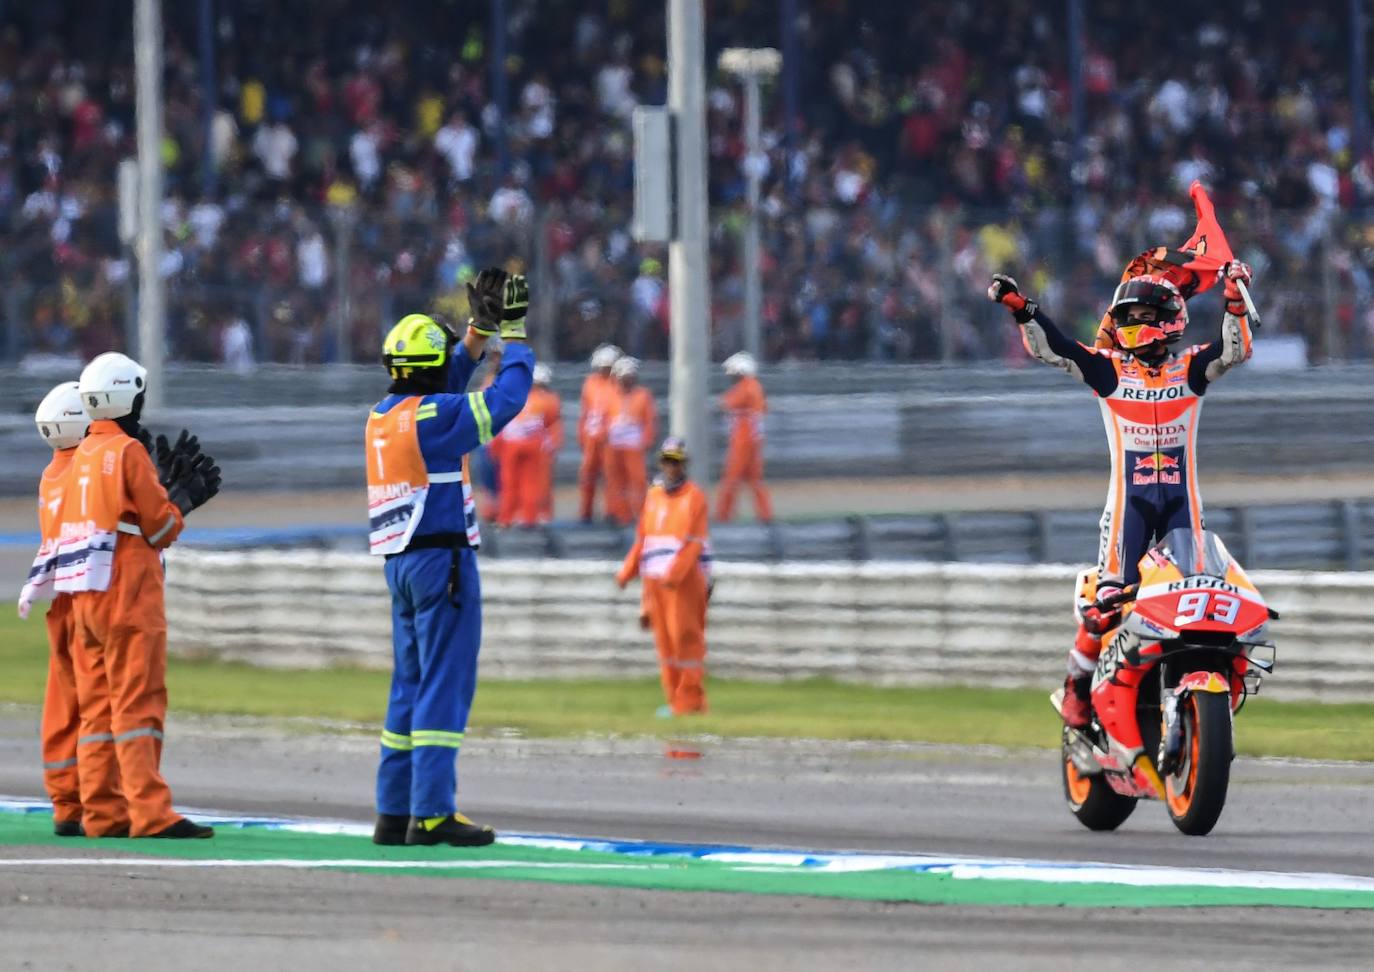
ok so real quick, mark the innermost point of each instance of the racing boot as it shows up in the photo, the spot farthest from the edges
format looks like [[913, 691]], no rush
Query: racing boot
[[455, 830], [391, 829], [68, 828], [1076, 707]]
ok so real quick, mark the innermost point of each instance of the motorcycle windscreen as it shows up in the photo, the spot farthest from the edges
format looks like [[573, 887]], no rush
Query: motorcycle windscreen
[[1194, 553]]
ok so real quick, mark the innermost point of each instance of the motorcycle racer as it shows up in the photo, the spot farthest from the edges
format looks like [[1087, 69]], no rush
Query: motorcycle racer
[[1150, 396]]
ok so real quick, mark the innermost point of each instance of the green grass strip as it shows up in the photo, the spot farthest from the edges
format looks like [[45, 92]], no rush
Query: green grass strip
[[810, 708], [658, 873]]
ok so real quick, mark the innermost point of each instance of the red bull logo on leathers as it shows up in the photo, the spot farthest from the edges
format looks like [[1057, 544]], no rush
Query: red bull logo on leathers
[[1157, 468]]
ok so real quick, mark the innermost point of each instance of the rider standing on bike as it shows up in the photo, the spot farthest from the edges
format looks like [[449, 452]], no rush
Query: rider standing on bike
[[1150, 396]]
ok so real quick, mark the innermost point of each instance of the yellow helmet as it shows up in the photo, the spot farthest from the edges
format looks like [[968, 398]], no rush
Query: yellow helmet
[[417, 341]]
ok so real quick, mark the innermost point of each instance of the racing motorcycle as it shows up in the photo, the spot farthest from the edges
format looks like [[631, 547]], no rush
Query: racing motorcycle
[[1189, 649]]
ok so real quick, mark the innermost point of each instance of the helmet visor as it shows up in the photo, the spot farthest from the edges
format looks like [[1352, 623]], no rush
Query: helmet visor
[[1131, 336]]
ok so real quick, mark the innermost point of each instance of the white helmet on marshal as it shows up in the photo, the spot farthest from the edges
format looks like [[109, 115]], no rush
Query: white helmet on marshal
[[60, 418], [605, 356], [741, 363], [110, 384], [625, 366], [543, 374]]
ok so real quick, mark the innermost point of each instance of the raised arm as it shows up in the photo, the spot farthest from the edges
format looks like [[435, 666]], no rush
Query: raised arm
[[1046, 343], [1233, 347]]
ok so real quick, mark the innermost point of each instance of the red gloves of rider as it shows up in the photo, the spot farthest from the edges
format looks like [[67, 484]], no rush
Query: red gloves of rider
[[1235, 273], [1003, 290]]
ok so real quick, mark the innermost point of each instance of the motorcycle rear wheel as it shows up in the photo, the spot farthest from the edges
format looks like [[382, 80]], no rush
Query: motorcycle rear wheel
[[1096, 805], [1196, 792]]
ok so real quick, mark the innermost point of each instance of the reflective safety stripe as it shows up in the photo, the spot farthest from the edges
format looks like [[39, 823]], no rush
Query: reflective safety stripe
[[437, 737], [130, 528], [98, 737], [481, 415], [171, 522], [138, 734], [686, 664], [428, 410], [60, 764], [396, 740], [448, 477]]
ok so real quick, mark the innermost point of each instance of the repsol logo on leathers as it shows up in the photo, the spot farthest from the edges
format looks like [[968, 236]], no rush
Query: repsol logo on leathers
[[1154, 394]]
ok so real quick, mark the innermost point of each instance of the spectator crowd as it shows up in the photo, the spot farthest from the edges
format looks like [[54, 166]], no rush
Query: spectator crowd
[[349, 162]]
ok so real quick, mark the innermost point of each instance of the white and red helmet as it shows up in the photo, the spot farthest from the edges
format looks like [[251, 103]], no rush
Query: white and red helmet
[[1150, 290]]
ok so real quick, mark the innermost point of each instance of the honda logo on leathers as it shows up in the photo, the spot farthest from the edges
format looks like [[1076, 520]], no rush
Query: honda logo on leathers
[[1154, 429], [1153, 394]]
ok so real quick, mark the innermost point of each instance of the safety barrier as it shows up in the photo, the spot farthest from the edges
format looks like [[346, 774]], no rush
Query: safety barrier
[[1036, 421], [886, 624]]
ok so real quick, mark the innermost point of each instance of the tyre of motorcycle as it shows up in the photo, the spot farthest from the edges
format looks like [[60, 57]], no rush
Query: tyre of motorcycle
[[1196, 792], [1091, 799]]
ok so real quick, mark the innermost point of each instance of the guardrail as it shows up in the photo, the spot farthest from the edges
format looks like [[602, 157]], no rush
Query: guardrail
[[886, 624], [283, 447]]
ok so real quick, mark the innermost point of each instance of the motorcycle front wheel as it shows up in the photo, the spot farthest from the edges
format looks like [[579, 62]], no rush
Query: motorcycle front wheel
[[1096, 805], [1196, 792]]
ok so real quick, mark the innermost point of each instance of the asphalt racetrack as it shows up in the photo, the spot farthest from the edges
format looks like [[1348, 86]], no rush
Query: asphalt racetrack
[[81, 904]]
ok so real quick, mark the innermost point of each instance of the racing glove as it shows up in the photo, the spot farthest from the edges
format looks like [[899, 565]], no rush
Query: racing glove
[[186, 445], [1234, 274], [1105, 612], [486, 301], [195, 482], [1003, 290], [515, 301], [145, 439]]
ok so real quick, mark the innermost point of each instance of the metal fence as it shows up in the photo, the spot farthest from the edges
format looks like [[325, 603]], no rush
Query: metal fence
[[1268, 423], [877, 280]]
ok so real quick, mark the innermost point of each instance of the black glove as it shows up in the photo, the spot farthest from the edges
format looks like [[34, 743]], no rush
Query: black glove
[[186, 445], [145, 439], [486, 301], [514, 304], [195, 481], [1003, 290]]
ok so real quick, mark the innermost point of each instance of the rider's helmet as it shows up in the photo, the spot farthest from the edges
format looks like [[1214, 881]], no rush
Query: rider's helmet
[[1134, 328]]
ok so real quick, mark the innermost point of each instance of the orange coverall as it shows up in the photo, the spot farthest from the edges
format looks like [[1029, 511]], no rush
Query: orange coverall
[[672, 554], [599, 393], [119, 646], [746, 406], [61, 719], [528, 446], [553, 444], [632, 430]]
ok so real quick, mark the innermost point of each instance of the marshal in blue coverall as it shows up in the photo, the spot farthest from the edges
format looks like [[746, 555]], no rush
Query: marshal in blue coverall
[[436, 599]]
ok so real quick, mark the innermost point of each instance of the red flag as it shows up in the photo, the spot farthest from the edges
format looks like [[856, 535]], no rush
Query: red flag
[[1192, 267]]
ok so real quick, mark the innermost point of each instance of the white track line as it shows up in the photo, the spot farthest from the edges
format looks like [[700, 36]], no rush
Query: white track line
[[308, 864]]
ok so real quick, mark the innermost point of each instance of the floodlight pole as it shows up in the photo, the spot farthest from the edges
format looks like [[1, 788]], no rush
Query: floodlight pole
[[688, 281], [753, 283], [751, 65], [152, 302]]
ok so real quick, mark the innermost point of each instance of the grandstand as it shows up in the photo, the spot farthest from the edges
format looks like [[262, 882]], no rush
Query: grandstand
[[342, 163]]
